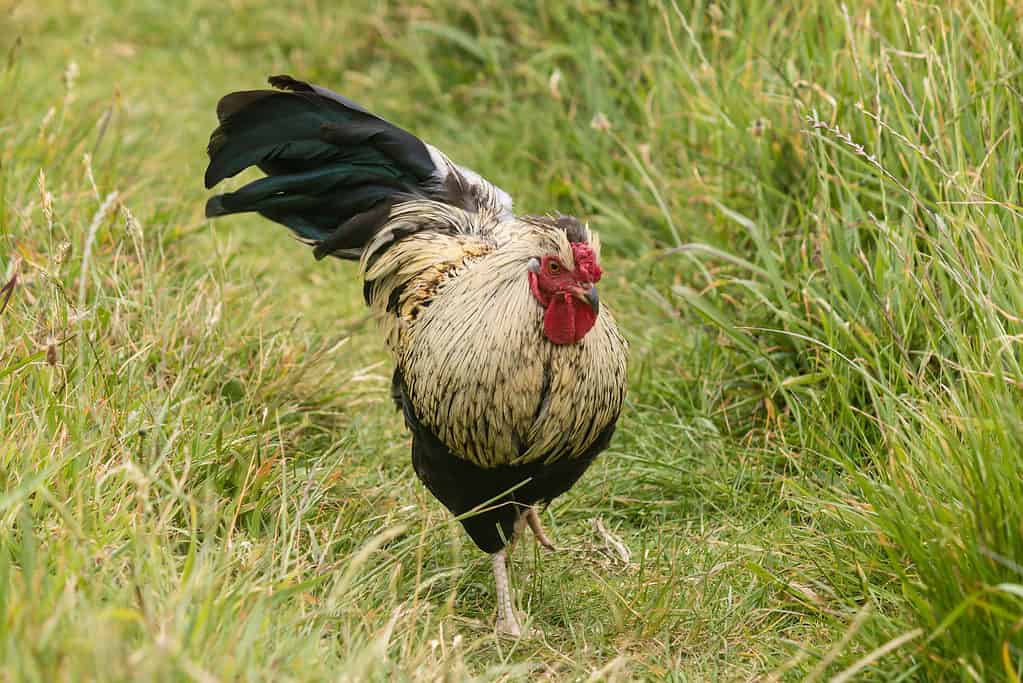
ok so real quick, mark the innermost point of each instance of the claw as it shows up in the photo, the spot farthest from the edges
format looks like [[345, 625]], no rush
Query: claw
[[533, 519]]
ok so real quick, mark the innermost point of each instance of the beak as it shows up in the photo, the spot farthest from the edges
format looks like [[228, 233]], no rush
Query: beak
[[589, 296]]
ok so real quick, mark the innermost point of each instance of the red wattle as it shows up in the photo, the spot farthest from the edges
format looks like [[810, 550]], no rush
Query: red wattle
[[567, 320]]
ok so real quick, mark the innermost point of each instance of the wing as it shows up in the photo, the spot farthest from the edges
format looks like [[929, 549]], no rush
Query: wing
[[422, 245], [334, 171]]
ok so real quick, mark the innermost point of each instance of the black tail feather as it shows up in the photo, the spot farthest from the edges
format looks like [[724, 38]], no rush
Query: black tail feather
[[355, 232], [331, 165]]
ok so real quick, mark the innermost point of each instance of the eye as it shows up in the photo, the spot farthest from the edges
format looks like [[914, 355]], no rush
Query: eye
[[553, 267]]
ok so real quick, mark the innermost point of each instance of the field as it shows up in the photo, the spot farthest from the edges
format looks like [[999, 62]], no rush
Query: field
[[812, 232]]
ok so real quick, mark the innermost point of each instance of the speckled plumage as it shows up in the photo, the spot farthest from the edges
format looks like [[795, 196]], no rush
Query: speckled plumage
[[467, 336]]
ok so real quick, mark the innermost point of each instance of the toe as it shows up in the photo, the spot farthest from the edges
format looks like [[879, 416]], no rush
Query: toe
[[509, 627]]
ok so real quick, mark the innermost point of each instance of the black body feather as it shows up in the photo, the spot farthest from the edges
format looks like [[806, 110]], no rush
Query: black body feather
[[331, 164], [490, 498]]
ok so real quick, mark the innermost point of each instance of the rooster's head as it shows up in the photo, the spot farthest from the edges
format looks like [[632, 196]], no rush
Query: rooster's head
[[563, 283]]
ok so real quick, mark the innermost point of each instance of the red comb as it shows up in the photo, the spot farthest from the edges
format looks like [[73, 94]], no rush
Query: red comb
[[586, 261]]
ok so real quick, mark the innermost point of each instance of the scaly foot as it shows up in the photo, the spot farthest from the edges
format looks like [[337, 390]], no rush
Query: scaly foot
[[507, 622]]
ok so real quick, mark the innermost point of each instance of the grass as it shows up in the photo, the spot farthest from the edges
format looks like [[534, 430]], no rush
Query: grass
[[812, 220]]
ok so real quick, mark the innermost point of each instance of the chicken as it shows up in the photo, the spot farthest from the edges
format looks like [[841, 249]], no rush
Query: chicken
[[509, 373]]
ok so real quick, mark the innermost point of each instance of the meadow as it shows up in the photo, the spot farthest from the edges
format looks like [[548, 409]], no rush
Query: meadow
[[812, 232]]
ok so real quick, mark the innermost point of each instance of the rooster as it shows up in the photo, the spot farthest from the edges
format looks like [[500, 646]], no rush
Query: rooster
[[509, 373]]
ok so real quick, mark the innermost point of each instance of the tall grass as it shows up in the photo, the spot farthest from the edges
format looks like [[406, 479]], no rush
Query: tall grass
[[812, 219], [892, 324]]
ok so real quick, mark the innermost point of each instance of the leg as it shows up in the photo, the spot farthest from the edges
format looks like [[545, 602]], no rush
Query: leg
[[533, 519], [507, 623]]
